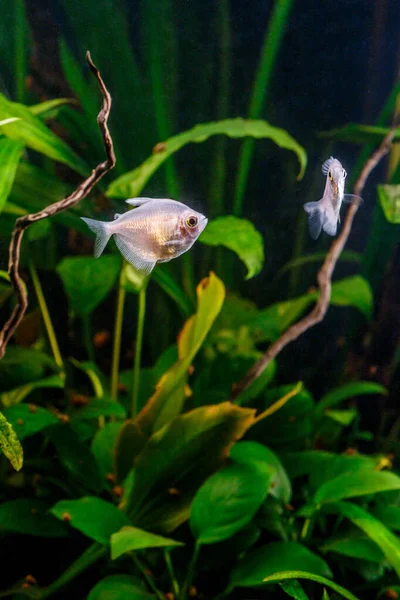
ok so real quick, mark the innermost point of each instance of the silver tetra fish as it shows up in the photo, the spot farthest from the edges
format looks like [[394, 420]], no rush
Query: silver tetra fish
[[325, 214], [156, 231]]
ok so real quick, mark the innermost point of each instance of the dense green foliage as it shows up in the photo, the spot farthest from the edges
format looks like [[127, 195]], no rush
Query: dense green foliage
[[152, 479]]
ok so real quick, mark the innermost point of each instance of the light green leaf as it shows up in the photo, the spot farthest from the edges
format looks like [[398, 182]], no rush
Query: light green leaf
[[252, 453], [389, 198], [102, 447], [18, 394], [9, 120], [131, 280], [267, 560], [354, 546], [10, 444], [354, 484], [119, 587], [349, 390], [294, 589], [87, 280], [133, 538], [131, 184], [30, 516], [238, 235], [49, 109], [287, 575], [28, 419], [33, 133], [389, 515], [353, 291], [227, 501], [343, 417], [92, 516], [10, 155], [181, 456], [385, 539]]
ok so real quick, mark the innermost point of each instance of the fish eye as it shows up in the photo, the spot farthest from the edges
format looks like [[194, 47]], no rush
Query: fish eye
[[192, 221], [344, 173], [330, 174]]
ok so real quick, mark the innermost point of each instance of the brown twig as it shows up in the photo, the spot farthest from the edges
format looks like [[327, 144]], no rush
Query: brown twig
[[81, 192], [324, 276]]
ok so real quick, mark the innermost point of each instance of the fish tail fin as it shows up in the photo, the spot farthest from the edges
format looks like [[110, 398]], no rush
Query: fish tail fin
[[102, 234], [315, 218]]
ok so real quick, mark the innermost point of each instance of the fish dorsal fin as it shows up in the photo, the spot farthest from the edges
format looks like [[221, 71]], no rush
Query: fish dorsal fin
[[138, 201], [327, 165]]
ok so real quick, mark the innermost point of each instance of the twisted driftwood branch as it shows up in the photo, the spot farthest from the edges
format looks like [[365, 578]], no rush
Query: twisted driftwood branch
[[76, 196], [324, 276]]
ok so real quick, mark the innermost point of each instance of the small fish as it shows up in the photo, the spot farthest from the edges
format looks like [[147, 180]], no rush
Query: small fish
[[325, 214], [156, 231]]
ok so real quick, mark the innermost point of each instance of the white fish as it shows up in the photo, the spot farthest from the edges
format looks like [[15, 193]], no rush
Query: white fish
[[325, 214], [156, 231]]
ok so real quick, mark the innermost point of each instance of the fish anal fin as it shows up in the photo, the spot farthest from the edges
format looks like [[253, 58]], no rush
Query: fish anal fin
[[131, 255]]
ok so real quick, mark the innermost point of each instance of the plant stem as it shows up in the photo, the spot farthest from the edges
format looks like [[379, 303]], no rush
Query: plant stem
[[119, 317], [46, 317], [170, 567], [87, 336], [147, 576], [138, 349], [272, 43], [190, 573]]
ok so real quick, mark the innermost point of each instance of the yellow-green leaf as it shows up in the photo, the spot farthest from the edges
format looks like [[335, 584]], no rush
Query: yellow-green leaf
[[389, 197], [10, 155], [10, 444], [133, 538]]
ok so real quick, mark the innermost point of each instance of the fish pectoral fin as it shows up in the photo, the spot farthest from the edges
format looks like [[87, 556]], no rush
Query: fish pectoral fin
[[352, 199], [116, 216], [132, 256], [138, 201], [315, 218]]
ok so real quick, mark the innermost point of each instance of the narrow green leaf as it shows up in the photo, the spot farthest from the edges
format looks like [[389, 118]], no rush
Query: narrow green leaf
[[347, 391], [385, 539], [227, 501], [102, 447], [286, 575], [359, 483], [28, 419], [119, 587], [294, 589], [359, 134], [10, 444], [262, 563], [251, 453], [238, 235], [49, 108], [343, 417], [10, 155], [354, 546], [133, 538], [131, 184], [33, 133], [92, 516], [18, 394], [88, 280], [389, 197], [30, 516]]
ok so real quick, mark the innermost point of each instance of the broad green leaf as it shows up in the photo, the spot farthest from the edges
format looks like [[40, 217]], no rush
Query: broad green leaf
[[170, 394], [269, 559], [359, 134], [119, 587], [101, 407], [132, 538], [383, 537], [238, 235], [102, 447], [30, 516], [23, 365], [288, 575], [131, 184], [359, 483], [180, 456], [9, 444], [353, 291], [294, 589], [389, 197], [343, 417], [354, 546], [92, 516], [76, 457], [10, 155], [33, 133], [18, 394], [88, 280], [49, 109], [28, 419], [389, 515], [349, 390], [252, 453], [227, 501]]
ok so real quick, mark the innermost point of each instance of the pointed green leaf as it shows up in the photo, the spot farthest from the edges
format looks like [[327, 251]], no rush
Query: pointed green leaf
[[343, 417], [10, 155], [131, 184], [294, 589], [10, 444], [359, 483], [50, 108], [28, 419], [119, 587], [92, 516], [30, 516], [18, 394], [353, 291], [349, 390], [238, 235], [288, 575], [133, 538], [354, 546]]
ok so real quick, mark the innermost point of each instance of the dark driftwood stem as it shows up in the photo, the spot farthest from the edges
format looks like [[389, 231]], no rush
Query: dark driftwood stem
[[81, 192], [324, 276]]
